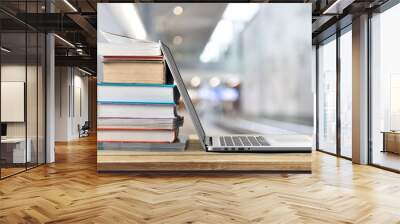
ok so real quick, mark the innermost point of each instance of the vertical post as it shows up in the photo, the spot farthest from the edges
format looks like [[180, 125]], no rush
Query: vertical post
[[370, 111], [360, 89], [26, 103], [316, 97], [338, 81], [1, 163], [50, 92]]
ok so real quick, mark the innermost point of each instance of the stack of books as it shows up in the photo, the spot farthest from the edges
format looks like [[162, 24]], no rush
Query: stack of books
[[136, 102]]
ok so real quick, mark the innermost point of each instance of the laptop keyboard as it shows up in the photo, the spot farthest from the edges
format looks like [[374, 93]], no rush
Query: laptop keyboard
[[243, 141]]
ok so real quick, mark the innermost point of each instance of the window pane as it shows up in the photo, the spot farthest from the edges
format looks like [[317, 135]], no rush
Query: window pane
[[32, 88], [346, 94], [386, 89], [31, 97], [327, 96]]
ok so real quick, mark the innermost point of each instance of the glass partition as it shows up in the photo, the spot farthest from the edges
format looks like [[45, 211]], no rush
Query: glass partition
[[22, 88], [31, 97], [346, 93], [327, 96], [35, 50], [13, 91]]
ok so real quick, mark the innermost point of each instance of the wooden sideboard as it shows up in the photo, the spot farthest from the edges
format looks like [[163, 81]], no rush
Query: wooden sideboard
[[391, 141]]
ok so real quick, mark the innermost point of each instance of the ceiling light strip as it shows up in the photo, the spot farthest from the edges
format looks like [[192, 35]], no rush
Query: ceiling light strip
[[70, 5], [5, 50], [234, 16], [84, 71], [65, 41], [337, 7]]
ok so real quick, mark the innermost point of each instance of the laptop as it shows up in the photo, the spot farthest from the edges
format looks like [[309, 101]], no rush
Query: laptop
[[236, 143]]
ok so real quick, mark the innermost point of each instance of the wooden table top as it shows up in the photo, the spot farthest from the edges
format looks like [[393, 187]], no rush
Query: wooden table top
[[196, 159]]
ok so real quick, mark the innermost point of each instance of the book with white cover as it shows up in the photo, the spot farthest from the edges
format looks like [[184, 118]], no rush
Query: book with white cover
[[120, 45], [117, 110], [136, 135], [133, 92]]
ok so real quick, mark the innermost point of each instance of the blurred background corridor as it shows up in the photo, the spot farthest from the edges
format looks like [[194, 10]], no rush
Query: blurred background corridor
[[247, 66]]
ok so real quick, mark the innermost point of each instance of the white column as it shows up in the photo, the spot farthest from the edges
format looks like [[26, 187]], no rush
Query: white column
[[50, 92], [50, 99]]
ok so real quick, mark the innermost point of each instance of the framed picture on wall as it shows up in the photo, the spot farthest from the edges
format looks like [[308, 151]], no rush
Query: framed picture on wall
[[12, 101]]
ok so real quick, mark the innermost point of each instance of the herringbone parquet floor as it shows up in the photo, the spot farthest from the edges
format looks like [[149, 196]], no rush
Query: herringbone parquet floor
[[71, 191]]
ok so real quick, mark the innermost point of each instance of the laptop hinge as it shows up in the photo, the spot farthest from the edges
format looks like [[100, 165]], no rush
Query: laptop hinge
[[208, 140]]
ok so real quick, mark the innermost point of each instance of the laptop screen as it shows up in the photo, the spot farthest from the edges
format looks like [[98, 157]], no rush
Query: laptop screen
[[182, 89]]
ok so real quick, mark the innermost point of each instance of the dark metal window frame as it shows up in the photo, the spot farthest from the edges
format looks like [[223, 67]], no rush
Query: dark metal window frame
[[341, 29]]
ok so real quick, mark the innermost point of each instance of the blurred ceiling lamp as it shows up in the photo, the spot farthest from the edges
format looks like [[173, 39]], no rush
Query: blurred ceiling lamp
[[219, 42], [64, 40], [178, 10], [234, 17], [178, 40], [210, 53], [195, 81], [214, 82], [70, 6], [5, 50]]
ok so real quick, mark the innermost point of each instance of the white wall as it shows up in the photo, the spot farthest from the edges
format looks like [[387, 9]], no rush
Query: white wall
[[70, 84], [33, 126], [17, 73], [61, 103], [80, 109]]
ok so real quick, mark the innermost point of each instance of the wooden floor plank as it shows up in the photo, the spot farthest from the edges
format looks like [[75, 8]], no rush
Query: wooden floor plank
[[71, 191]]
